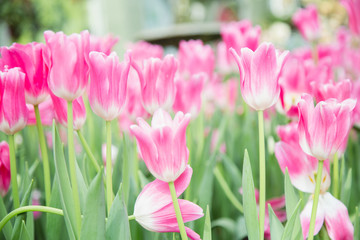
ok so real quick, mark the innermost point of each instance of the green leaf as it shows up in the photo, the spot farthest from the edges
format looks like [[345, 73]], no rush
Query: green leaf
[[117, 226], [357, 224], [249, 202], [346, 189], [30, 224], [276, 227], [233, 170], [7, 230], [93, 224], [207, 225], [24, 234], [82, 187], [291, 227], [226, 223], [241, 231], [64, 185]]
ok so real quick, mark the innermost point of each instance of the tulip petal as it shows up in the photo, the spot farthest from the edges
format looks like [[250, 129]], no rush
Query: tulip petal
[[305, 216]]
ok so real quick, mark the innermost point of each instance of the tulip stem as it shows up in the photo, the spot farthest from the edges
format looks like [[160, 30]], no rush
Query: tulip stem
[[88, 151], [262, 174], [72, 159], [131, 217], [13, 172], [44, 154], [316, 199], [109, 192], [30, 208], [177, 211], [336, 176]]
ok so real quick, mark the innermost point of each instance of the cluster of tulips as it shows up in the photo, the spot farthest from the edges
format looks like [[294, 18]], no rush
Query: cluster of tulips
[[59, 84]]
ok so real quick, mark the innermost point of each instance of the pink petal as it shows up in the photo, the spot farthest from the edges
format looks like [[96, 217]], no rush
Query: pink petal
[[305, 216]]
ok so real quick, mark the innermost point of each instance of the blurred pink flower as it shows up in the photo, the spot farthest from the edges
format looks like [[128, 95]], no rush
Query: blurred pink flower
[[36, 196], [114, 153], [46, 109], [259, 75], [353, 9], [108, 83], [324, 129], [13, 110], [225, 64], [306, 20], [339, 90], [163, 144], [142, 50], [67, 58], [5, 175], [29, 58], [102, 44], [154, 209]]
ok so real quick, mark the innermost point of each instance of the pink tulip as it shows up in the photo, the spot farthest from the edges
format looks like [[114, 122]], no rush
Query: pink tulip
[[46, 113], [157, 82], [35, 200], [306, 20], [60, 108], [188, 94], [289, 134], [195, 57], [339, 90], [163, 145], [259, 75], [29, 58], [353, 9], [154, 209], [67, 58], [5, 175], [114, 153], [108, 82], [13, 110], [224, 61], [143, 50], [302, 169], [324, 129], [102, 44]]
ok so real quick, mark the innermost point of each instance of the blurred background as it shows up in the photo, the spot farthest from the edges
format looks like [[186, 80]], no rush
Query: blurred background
[[163, 22]]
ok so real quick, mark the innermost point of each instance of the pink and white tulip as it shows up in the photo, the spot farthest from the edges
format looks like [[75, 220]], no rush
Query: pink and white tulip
[[163, 144], [67, 58], [60, 108], [142, 50], [154, 209], [306, 20], [324, 129], [13, 110], [108, 82], [29, 58], [46, 113], [339, 90], [353, 9], [102, 44], [259, 75], [5, 176]]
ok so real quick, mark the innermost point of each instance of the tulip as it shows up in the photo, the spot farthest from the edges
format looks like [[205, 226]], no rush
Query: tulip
[[60, 109], [353, 9], [154, 211], [163, 144], [108, 82], [46, 109], [323, 129], [5, 175], [339, 90], [157, 82], [142, 50], [29, 58], [259, 75], [13, 110], [306, 20], [102, 44], [67, 58]]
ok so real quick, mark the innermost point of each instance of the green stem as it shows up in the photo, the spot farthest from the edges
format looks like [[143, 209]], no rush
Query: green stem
[[88, 151], [44, 154], [13, 172], [72, 159], [177, 211], [316, 200], [125, 170], [109, 192], [131, 217], [336, 176], [227, 190], [262, 174], [31, 208]]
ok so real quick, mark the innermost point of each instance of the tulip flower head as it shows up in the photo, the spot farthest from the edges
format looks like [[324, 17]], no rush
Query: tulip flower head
[[306, 20], [154, 209], [13, 110], [163, 144], [353, 9], [29, 58], [259, 75], [108, 82], [5, 175], [323, 129], [102, 44], [67, 58]]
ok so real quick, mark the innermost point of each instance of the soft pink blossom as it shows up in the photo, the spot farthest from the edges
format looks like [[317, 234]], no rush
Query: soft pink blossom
[[114, 153], [142, 50], [46, 110], [324, 129], [13, 110], [306, 20], [5, 175], [339, 90], [353, 9], [154, 209], [259, 75], [35, 200], [163, 144], [29, 58], [102, 44], [108, 82], [67, 58]]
